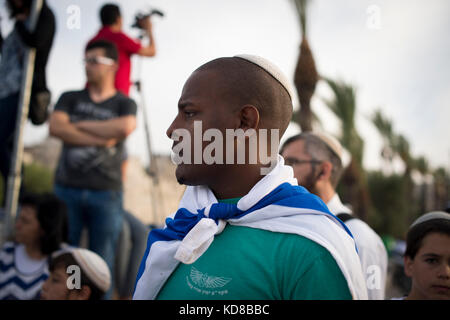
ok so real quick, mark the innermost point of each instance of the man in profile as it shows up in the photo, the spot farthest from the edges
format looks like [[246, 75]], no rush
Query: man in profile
[[316, 159], [239, 234]]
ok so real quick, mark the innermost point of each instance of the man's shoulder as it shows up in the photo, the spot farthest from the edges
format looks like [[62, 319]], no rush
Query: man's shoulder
[[68, 99], [364, 235], [74, 93], [124, 100], [106, 34], [123, 97], [275, 240], [361, 227]]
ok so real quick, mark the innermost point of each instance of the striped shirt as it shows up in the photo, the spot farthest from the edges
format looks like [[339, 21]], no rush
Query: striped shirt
[[21, 277]]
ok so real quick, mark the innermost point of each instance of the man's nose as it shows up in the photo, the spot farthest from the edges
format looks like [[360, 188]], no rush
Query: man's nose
[[171, 129], [444, 271], [44, 285]]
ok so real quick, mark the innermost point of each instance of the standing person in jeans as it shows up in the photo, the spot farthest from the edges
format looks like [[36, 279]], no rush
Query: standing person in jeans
[[112, 30], [93, 124]]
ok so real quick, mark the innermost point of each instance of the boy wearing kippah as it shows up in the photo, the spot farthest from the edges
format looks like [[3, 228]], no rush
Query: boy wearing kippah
[[427, 257], [76, 274]]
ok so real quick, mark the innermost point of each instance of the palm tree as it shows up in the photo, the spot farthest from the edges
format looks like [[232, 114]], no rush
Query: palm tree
[[306, 75], [385, 129], [402, 148], [344, 107], [354, 188], [421, 165], [442, 188], [396, 144], [425, 198]]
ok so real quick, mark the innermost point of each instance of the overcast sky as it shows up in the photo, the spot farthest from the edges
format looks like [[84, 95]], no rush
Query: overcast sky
[[396, 54]]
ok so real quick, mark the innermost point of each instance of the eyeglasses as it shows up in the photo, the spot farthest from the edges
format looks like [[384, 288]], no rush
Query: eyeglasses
[[296, 162], [99, 60]]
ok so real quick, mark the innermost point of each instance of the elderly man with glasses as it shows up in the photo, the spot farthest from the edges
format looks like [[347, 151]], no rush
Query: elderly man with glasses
[[316, 159]]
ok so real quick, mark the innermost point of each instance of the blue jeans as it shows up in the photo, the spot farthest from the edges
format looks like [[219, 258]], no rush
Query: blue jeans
[[101, 213]]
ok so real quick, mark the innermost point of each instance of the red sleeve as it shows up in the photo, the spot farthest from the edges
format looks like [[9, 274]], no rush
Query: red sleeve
[[128, 45]]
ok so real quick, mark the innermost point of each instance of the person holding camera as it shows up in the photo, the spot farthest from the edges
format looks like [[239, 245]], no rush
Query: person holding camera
[[111, 30]]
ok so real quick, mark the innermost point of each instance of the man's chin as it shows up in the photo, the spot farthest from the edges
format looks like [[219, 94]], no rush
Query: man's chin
[[180, 174], [185, 174]]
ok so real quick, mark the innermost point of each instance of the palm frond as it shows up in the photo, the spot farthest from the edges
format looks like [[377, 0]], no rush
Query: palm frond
[[301, 10]]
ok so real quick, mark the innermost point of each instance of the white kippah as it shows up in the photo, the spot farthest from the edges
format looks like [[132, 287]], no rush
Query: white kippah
[[271, 68], [93, 266], [331, 142], [431, 216]]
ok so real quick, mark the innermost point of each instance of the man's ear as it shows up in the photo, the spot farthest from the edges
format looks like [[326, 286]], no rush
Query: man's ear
[[83, 294], [325, 171], [119, 21], [408, 266], [115, 67], [249, 117]]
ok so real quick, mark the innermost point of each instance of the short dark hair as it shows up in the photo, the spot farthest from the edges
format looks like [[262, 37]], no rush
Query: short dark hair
[[30, 199], [109, 47], [109, 14], [417, 233], [65, 260], [318, 150], [51, 214]]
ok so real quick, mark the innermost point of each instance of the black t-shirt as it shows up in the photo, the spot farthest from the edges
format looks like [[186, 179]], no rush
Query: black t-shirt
[[97, 168]]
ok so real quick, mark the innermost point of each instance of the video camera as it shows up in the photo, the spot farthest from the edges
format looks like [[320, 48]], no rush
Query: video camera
[[142, 16]]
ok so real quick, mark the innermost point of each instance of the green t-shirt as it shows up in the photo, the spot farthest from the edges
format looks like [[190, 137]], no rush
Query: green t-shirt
[[245, 263]]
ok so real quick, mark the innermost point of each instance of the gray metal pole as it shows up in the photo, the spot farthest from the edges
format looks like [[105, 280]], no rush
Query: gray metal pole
[[14, 178], [153, 169]]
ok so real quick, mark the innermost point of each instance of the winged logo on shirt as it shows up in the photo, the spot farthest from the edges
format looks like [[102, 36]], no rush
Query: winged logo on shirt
[[203, 280]]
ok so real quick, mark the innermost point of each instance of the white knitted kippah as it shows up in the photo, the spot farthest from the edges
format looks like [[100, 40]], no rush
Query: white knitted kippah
[[431, 216], [331, 142], [271, 68], [93, 266]]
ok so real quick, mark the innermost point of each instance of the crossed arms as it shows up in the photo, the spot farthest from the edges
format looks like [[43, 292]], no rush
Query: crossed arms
[[104, 133]]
